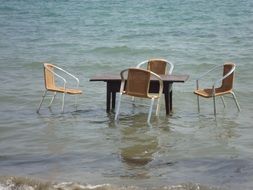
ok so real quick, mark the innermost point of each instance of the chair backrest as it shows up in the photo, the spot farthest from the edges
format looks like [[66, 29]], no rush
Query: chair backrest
[[227, 83], [49, 76], [157, 66], [138, 82]]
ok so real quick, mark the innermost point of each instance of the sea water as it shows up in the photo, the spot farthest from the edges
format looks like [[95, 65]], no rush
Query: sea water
[[86, 149]]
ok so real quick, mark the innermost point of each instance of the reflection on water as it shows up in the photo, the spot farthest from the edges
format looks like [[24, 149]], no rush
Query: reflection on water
[[137, 147]]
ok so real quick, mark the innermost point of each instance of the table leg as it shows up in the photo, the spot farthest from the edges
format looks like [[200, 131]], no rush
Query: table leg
[[171, 98], [168, 98], [112, 88], [108, 97], [167, 101]]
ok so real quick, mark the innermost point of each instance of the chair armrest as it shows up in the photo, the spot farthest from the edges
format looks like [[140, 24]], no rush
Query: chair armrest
[[171, 67], [123, 80], [69, 74], [142, 63], [205, 74], [225, 76], [201, 76]]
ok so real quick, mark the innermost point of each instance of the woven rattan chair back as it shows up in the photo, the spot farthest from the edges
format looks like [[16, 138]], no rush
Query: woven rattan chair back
[[137, 83], [49, 76], [227, 83], [157, 66]]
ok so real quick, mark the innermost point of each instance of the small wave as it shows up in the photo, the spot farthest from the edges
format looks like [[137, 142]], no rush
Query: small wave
[[23, 183], [20, 183], [123, 50], [7, 9], [115, 49], [34, 65]]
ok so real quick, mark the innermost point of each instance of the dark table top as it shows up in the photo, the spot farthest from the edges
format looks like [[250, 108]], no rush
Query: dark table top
[[116, 77]]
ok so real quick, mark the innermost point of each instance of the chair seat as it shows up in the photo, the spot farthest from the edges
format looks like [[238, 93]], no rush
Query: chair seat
[[207, 93], [149, 95], [68, 90]]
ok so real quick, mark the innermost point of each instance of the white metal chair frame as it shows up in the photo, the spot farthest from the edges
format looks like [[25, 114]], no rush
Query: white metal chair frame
[[64, 89], [214, 86], [167, 63], [150, 96]]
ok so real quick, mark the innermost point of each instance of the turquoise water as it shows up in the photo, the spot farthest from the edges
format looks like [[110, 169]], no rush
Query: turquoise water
[[187, 150]]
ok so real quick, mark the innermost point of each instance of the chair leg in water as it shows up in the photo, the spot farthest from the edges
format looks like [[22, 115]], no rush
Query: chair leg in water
[[43, 96], [118, 107]]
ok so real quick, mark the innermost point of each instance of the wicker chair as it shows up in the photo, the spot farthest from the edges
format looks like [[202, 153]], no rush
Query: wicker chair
[[226, 85], [50, 76], [137, 85]]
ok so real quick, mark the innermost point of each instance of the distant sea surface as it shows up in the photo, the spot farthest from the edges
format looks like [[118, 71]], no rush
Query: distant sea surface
[[86, 149]]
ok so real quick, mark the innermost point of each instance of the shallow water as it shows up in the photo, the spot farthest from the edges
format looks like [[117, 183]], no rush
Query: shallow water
[[187, 150]]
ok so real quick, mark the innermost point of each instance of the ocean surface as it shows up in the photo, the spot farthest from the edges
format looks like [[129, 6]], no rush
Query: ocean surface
[[85, 148]]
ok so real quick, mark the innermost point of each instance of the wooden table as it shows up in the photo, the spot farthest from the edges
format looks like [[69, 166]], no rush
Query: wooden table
[[113, 82]]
